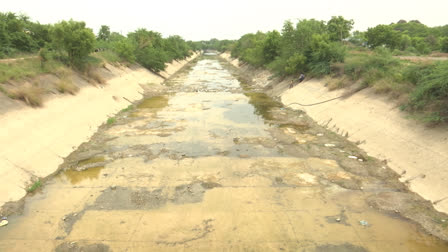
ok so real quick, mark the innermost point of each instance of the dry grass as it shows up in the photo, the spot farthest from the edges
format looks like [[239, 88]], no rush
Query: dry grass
[[30, 94], [338, 83], [65, 85], [93, 75]]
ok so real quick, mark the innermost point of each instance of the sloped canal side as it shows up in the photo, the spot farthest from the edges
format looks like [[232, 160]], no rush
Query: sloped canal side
[[210, 166]]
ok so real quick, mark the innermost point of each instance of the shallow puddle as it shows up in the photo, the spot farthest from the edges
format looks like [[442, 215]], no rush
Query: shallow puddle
[[200, 170], [75, 177]]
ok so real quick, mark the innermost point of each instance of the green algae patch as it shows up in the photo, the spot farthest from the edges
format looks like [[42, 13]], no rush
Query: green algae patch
[[76, 177], [92, 160], [262, 104], [155, 102]]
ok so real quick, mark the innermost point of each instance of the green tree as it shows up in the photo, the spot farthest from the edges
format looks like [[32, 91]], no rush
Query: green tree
[[383, 35], [357, 38], [104, 33], [444, 45], [339, 28], [125, 49], [271, 46], [75, 39]]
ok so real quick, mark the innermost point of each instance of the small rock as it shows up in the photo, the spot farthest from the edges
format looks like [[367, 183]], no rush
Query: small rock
[[320, 134], [64, 218], [338, 219], [113, 187], [3, 223], [360, 160], [353, 157], [330, 145], [363, 223]]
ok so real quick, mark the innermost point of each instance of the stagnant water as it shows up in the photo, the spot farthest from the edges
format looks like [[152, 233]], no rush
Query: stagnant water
[[208, 166]]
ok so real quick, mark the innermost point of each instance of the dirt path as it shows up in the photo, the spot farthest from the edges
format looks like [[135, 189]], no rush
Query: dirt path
[[16, 59], [210, 165]]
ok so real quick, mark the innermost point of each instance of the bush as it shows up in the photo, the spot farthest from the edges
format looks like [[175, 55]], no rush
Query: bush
[[152, 58], [75, 39], [65, 85], [371, 67], [30, 94], [432, 88], [125, 49]]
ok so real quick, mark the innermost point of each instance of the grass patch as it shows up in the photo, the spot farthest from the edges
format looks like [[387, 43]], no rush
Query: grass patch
[[30, 94], [130, 107], [65, 85], [34, 186], [27, 68], [157, 102], [108, 56], [111, 120], [94, 75], [262, 104]]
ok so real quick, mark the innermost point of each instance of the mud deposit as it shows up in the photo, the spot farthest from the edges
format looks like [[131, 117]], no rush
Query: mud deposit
[[209, 164]]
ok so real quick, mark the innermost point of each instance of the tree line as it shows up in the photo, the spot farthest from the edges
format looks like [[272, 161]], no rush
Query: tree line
[[72, 42], [329, 48]]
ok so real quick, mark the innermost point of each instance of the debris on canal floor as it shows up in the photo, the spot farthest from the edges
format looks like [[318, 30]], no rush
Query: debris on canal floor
[[223, 166]]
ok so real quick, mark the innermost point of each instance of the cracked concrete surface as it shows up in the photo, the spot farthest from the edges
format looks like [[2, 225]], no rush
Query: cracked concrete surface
[[228, 173]]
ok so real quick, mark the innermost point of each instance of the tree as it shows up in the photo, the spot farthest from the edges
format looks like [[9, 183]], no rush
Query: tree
[[339, 28], [383, 35], [357, 38], [271, 46], [75, 39], [444, 46], [104, 33], [125, 49]]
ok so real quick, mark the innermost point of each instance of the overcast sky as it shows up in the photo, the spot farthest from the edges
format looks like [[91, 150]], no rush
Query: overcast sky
[[205, 19]]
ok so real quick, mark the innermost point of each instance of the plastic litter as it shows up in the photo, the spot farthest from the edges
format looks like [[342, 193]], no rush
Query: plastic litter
[[3, 223], [4, 218], [353, 157], [363, 223], [330, 145]]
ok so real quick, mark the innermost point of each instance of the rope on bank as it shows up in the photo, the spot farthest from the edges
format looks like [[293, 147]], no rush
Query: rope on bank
[[317, 103], [339, 97]]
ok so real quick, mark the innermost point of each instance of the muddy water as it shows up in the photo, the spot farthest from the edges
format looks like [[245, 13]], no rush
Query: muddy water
[[207, 166]]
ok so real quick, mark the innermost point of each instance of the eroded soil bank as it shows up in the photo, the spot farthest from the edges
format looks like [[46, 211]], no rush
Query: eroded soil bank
[[211, 164]]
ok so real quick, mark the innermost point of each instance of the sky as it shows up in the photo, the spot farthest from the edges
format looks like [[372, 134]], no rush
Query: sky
[[230, 19]]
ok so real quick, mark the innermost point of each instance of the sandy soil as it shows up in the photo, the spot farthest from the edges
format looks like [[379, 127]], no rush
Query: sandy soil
[[417, 152], [34, 142]]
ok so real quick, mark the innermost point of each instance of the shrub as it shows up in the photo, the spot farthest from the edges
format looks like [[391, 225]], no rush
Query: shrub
[[75, 39], [66, 86], [126, 50], [30, 94], [432, 87]]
